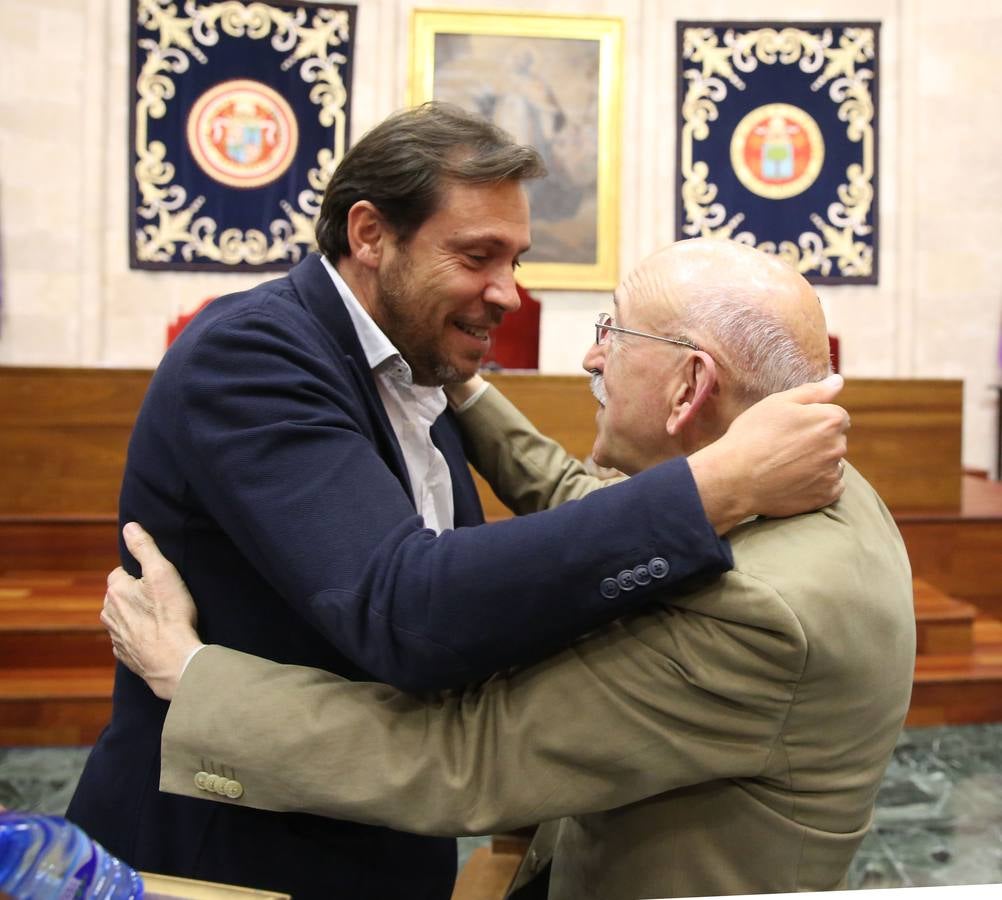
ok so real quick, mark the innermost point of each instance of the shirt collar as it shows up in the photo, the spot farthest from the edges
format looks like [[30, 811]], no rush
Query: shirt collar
[[377, 347]]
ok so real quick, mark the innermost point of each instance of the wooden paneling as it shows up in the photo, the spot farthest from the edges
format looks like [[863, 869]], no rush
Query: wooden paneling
[[954, 689], [943, 623], [56, 664], [58, 543], [50, 619], [561, 406], [63, 440], [963, 558], [486, 875], [905, 439], [55, 721], [63, 437], [961, 553], [905, 435]]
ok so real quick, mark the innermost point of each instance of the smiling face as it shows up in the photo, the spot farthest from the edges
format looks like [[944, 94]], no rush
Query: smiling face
[[634, 384], [756, 327], [440, 294]]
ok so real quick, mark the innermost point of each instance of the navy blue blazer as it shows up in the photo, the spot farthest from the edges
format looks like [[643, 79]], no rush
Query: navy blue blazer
[[263, 463]]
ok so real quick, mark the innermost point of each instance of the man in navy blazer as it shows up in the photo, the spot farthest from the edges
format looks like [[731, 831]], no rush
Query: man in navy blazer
[[289, 456]]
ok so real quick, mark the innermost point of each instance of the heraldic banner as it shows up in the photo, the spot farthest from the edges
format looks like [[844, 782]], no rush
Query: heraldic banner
[[777, 141], [240, 113]]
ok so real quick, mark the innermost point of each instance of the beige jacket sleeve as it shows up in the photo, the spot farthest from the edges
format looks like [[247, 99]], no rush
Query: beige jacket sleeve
[[528, 471], [671, 698]]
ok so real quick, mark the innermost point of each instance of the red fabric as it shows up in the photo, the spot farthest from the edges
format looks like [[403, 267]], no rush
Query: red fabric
[[177, 326], [515, 343], [833, 350]]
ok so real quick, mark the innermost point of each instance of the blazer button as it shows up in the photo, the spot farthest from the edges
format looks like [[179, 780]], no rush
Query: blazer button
[[642, 575], [658, 567], [626, 580], [210, 782], [200, 780], [609, 588], [234, 790]]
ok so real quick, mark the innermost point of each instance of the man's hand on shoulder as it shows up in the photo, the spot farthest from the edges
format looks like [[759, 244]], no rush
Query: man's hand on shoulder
[[151, 620], [780, 457]]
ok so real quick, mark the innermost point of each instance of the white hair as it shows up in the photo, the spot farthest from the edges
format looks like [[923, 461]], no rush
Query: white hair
[[764, 357]]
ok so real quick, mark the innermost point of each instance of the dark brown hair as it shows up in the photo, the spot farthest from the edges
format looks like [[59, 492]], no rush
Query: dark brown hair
[[400, 167]]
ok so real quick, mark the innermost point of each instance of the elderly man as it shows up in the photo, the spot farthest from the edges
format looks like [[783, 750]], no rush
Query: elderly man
[[731, 741], [291, 458]]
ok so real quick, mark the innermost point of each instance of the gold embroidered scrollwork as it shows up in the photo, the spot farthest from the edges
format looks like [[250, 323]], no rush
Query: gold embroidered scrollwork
[[311, 43], [843, 69]]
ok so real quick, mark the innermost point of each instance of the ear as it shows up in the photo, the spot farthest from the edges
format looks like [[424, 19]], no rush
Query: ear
[[367, 233], [691, 393]]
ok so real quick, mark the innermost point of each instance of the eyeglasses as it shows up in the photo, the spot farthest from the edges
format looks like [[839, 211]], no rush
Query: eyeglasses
[[604, 325]]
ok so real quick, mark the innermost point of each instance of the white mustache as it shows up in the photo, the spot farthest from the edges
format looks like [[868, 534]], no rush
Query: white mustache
[[598, 387]]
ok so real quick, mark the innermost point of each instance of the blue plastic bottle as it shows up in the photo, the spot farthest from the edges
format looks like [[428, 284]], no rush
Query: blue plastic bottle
[[48, 858]]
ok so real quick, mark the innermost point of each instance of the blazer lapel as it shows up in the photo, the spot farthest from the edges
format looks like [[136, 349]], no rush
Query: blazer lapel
[[322, 300]]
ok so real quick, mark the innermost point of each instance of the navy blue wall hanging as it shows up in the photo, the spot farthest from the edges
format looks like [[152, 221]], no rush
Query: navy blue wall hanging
[[239, 115], [777, 141]]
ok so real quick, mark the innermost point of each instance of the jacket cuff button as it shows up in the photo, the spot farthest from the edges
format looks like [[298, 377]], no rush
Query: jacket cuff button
[[233, 789], [658, 567]]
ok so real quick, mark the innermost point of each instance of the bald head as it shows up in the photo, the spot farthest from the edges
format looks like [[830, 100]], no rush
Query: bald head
[[754, 313], [734, 326]]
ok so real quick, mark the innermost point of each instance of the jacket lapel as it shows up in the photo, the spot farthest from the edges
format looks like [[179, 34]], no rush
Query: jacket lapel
[[322, 300]]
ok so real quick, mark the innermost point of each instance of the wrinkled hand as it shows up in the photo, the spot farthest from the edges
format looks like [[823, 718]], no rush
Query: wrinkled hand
[[781, 457], [793, 444], [151, 619]]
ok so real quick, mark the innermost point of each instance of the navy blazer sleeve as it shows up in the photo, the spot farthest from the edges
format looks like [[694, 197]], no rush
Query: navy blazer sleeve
[[272, 438]]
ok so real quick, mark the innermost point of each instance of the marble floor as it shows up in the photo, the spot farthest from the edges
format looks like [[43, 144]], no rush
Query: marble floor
[[938, 821]]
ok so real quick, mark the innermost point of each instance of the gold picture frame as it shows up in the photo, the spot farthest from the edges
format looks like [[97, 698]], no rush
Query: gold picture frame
[[553, 81]]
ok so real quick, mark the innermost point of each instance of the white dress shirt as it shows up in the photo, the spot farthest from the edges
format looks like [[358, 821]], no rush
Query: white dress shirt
[[412, 410]]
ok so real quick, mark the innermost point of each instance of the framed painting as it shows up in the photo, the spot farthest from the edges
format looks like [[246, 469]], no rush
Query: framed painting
[[777, 141], [553, 82]]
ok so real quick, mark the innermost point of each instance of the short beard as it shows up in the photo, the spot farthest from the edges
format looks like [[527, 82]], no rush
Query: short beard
[[394, 288], [444, 374]]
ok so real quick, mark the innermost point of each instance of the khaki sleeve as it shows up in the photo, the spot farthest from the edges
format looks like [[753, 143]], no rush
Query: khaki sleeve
[[528, 471], [671, 698]]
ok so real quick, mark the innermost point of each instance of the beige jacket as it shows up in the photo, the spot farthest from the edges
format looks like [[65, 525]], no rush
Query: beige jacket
[[730, 741]]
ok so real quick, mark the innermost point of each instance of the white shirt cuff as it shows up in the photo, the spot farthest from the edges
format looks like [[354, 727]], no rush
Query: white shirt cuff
[[471, 400], [191, 656]]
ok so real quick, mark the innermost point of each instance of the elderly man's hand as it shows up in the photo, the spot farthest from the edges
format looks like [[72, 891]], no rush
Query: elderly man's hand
[[781, 457], [151, 619]]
